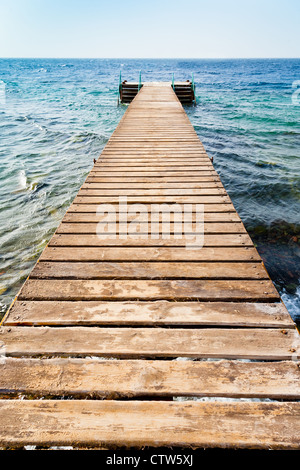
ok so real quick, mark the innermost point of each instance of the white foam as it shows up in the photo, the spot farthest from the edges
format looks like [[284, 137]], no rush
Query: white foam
[[292, 303], [22, 179], [224, 399]]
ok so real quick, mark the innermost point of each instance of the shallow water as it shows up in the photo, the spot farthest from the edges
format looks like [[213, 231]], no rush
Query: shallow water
[[56, 115]]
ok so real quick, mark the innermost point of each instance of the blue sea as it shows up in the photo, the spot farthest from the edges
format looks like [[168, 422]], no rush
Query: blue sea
[[56, 115]]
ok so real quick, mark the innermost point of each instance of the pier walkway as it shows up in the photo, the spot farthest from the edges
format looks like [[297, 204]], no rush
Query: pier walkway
[[144, 339]]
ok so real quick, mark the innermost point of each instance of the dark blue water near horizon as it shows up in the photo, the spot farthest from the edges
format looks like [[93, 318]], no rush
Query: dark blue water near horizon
[[56, 115]]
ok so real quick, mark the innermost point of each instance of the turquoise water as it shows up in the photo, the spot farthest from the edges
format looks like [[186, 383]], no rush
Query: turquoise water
[[56, 115]]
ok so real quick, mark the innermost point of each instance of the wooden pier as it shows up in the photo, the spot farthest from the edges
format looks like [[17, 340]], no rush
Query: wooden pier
[[144, 341], [185, 91]]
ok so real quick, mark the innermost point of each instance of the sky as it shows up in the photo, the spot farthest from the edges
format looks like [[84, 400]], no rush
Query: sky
[[150, 29]]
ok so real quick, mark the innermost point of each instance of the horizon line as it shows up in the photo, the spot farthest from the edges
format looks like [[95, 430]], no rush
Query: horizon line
[[154, 58]]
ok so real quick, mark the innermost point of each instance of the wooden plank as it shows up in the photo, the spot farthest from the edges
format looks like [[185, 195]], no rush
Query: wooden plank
[[155, 174], [89, 254], [145, 139], [225, 343], [156, 144], [160, 146], [209, 217], [147, 156], [163, 207], [159, 313], [182, 155], [154, 199], [224, 290], [152, 180], [133, 378], [136, 185], [137, 239], [177, 151], [160, 135], [124, 137], [166, 170], [162, 227], [165, 166], [152, 192], [148, 270], [160, 160], [156, 159], [139, 424]]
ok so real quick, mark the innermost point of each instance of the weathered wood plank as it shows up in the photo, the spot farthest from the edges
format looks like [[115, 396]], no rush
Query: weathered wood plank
[[52, 289], [159, 313], [164, 167], [130, 208], [137, 253], [244, 343], [153, 152], [145, 227], [165, 170], [161, 144], [157, 159], [152, 185], [156, 174], [131, 378], [115, 423], [148, 157], [153, 179], [148, 270], [171, 199], [185, 138], [152, 192], [208, 217], [169, 165], [158, 146], [139, 239]]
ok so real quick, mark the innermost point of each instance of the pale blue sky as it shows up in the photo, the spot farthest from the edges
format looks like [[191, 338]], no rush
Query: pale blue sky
[[156, 28]]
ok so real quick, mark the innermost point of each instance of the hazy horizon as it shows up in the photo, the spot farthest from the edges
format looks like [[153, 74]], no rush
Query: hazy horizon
[[201, 29], [150, 58]]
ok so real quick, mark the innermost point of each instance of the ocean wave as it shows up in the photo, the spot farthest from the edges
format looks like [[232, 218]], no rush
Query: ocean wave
[[85, 137], [278, 244], [95, 93], [276, 231], [292, 302], [30, 120]]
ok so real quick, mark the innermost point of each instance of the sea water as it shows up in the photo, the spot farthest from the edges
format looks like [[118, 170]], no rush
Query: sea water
[[56, 115]]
